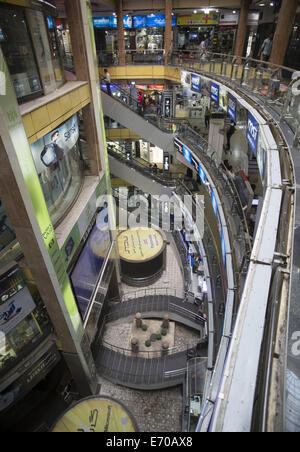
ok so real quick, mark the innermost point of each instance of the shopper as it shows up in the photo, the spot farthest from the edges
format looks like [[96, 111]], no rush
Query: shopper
[[266, 48], [107, 81], [207, 117], [140, 103], [230, 132]]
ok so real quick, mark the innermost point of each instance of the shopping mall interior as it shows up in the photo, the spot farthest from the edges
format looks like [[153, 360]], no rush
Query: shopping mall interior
[[149, 216]]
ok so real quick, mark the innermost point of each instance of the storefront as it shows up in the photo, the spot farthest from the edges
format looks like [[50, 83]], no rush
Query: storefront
[[24, 322], [30, 45], [194, 28], [58, 161], [143, 35]]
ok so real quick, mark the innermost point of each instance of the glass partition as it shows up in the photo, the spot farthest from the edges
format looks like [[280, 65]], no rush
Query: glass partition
[[17, 48]]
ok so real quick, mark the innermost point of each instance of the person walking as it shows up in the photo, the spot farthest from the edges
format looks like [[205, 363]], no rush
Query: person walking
[[266, 48], [140, 103], [107, 81]]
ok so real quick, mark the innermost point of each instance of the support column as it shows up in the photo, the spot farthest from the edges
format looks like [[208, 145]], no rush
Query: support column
[[168, 30], [120, 33], [242, 28], [85, 73], [283, 31], [22, 196]]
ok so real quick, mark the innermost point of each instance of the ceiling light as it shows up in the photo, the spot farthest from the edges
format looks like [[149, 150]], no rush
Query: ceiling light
[[206, 10]]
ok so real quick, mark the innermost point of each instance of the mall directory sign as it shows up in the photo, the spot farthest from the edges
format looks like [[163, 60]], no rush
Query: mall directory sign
[[252, 132], [21, 159], [96, 415]]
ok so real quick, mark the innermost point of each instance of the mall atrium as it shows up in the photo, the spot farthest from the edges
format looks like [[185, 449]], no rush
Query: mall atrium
[[149, 271]]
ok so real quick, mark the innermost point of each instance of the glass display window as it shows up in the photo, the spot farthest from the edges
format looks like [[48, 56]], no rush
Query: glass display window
[[24, 321], [41, 44], [56, 51], [17, 48]]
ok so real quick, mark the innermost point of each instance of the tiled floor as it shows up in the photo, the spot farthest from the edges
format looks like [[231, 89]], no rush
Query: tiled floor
[[171, 280]]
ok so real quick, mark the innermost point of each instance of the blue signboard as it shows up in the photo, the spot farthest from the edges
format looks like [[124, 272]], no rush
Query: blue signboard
[[139, 21], [223, 245], [111, 22], [232, 107], [187, 154], [195, 83], [202, 174], [215, 93], [252, 132], [152, 20], [50, 23], [214, 202]]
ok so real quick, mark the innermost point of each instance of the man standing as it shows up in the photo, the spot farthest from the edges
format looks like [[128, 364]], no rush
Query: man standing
[[107, 80], [266, 48], [207, 117]]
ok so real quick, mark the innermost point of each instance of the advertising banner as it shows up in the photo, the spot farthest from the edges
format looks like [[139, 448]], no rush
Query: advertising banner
[[232, 107], [86, 272], [187, 154], [261, 161], [202, 174], [223, 245], [212, 18], [223, 98], [16, 309], [55, 145], [140, 244], [215, 93], [252, 132], [97, 414], [196, 83], [214, 202]]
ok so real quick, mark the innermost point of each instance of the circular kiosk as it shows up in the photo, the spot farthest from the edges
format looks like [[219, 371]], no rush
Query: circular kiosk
[[96, 414], [142, 255]]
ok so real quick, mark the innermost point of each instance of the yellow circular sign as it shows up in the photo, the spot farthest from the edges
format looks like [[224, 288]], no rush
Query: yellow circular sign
[[96, 414], [140, 244]]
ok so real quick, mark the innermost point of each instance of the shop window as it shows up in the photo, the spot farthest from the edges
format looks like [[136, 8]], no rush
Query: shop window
[[56, 51], [41, 44], [24, 321], [17, 48]]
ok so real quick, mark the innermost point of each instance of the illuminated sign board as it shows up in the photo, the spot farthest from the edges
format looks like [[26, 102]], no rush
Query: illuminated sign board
[[195, 83], [252, 132], [232, 107], [215, 93], [187, 154]]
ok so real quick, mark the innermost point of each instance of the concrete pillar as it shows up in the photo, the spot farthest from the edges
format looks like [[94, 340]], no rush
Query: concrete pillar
[[168, 29], [22, 196], [242, 28], [85, 71], [283, 31], [120, 33]]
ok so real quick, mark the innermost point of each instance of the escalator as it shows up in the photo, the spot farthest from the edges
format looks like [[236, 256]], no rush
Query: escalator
[[123, 108]]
